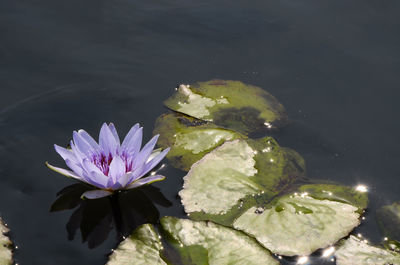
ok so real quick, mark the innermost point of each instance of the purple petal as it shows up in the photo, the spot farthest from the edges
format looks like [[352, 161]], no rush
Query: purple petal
[[89, 139], [132, 144], [64, 172], [78, 154], [123, 181], [144, 154], [140, 172], [153, 162], [95, 176], [117, 168], [143, 181], [82, 145], [107, 140], [129, 135], [96, 194], [75, 167], [65, 153], [153, 154], [114, 132]]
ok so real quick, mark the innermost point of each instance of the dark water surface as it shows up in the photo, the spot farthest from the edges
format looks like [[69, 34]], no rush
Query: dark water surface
[[66, 65]]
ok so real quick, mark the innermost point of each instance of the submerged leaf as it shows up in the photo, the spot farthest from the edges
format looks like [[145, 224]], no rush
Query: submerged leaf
[[189, 138], [141, 248], [209, 243], [357, 252], [5, 245], [389, 220], [230, 104], [299, 224]]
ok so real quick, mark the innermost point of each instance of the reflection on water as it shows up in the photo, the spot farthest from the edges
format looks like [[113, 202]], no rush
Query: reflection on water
[[123, 211]]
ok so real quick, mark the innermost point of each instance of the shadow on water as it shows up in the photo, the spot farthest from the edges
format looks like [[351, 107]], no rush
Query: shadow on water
[[123, 211]]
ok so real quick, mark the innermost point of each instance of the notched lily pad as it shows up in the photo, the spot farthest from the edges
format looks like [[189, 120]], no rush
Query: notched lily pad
[[355, 251], [141, 248], [230, 104], [5, 245], [389, 220], [209, 243], [189, 138]]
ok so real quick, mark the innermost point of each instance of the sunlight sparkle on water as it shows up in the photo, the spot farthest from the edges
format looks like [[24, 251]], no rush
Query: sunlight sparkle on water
[[362, 188], [302, 260], [328, 252]]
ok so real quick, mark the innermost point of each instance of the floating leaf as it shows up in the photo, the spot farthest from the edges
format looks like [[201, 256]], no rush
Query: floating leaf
[[338, 193], [5, 245], [389, 220], [242, 184], [189, 242], [209, 243], [141, 248], [189, 138], [224, 182], [357, 252], [230, 104], [299, 224]]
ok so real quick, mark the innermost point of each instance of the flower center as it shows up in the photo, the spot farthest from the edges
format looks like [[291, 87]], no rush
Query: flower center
[[103, 162]]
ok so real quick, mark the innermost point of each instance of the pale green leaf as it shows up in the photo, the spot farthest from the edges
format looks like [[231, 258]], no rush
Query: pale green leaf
[[141, 248], [355, 251], [5, 245], [199, 242], [189, 138], [298, 224], [230, 104]]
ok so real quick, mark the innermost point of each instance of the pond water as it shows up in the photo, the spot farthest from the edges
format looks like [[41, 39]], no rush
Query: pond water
[[66, 65]]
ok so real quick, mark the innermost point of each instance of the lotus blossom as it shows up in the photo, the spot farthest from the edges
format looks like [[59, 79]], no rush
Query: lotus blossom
[[110, 165]]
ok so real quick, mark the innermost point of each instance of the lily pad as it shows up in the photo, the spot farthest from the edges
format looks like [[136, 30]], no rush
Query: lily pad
[[245, 184], [209, 243], [189, 242], [230, 104], [355, 251], [189, 138], [299, 224], [234, 176], [389, 220], [5, 245], [337, 193], [141, 248]]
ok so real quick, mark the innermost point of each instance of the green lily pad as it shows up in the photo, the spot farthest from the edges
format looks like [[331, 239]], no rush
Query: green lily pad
[[338, 193], [389, 220], [208, 243], [355, 251], [189, 138], [141, 248], [299, 224], [230, 179], [245, 184], [230, 104], [189, 242], [5, 245]]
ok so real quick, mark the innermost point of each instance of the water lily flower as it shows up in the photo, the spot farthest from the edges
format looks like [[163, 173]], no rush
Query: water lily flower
[[110, 165]]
